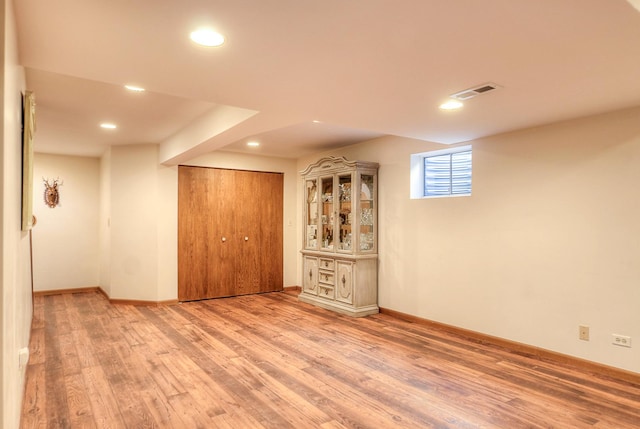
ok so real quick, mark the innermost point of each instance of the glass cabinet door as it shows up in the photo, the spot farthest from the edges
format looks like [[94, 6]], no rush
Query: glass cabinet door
[[344, 212], [311, 221], [367, 213], [327, 220]]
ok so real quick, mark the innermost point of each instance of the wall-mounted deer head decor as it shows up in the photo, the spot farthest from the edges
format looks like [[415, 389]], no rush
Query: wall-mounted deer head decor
[[51, 195]]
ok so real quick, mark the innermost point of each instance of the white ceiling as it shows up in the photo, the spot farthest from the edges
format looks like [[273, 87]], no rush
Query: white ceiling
[[364, 68]]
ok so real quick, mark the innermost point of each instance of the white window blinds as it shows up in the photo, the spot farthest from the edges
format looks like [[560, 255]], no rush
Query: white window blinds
[[447, 174]]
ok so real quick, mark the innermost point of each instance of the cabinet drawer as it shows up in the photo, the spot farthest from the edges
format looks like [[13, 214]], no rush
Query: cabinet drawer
[[326, 291], [327, 264], [327, 277]]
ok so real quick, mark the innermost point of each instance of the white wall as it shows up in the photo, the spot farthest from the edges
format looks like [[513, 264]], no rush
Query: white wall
[[66, 251], [291, 178], [15, 277], [139, 211], [167, 252], [547, 241], [104, 228]]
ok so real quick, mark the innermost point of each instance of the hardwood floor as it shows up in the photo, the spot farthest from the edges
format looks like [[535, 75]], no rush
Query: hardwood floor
[[269, 361]]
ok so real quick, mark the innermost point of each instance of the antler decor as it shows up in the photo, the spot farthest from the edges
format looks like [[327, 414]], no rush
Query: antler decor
[[51, 195]]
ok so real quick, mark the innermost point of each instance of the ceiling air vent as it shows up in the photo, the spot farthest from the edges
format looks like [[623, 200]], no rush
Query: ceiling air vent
[[472, 92]]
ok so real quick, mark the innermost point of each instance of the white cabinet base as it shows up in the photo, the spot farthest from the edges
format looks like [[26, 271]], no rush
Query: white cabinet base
[[344, 284], [339, 307]]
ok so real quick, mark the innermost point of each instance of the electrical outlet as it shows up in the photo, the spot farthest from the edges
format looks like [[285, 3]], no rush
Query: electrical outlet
[[621, 340], [583, 332]]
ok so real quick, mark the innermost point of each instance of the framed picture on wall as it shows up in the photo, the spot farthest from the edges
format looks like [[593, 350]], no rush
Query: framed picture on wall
[[28, 130]]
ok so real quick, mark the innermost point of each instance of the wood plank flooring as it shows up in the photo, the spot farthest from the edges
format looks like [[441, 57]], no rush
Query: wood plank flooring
[[269, 361]]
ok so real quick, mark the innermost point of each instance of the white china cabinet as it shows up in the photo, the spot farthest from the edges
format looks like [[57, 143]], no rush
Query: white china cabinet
[[340, 248]]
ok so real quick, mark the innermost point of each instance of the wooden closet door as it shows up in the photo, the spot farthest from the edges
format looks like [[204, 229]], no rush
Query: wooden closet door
[[259, 225], [223, 243], [229, 232], [271, 185], [194, 232], [248, 221]]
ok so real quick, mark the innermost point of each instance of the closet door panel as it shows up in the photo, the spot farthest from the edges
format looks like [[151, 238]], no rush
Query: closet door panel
[[249, 238], [223, 243], [271, 231], [194, 230]]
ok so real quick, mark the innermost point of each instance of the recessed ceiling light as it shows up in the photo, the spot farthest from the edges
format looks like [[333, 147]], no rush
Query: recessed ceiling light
[[134, 88], [635, 3], [315, 121], [253, 144], [451, 105], [207, 37], [108, 126]]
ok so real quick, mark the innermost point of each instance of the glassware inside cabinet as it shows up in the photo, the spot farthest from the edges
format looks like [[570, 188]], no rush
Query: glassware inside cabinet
[[312, 214], [327, 213], [344, 211], [367, 217]]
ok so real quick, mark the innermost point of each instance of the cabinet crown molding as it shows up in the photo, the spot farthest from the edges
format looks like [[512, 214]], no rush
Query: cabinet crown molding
[[329, 163]]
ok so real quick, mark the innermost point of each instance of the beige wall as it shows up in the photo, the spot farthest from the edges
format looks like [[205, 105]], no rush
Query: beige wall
[[547, 241], [15, 295], [66, 250], [104, 222], [167, 252], [141, 216]]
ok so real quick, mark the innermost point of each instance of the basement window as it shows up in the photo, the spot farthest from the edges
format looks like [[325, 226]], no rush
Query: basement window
[[441, 173]]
